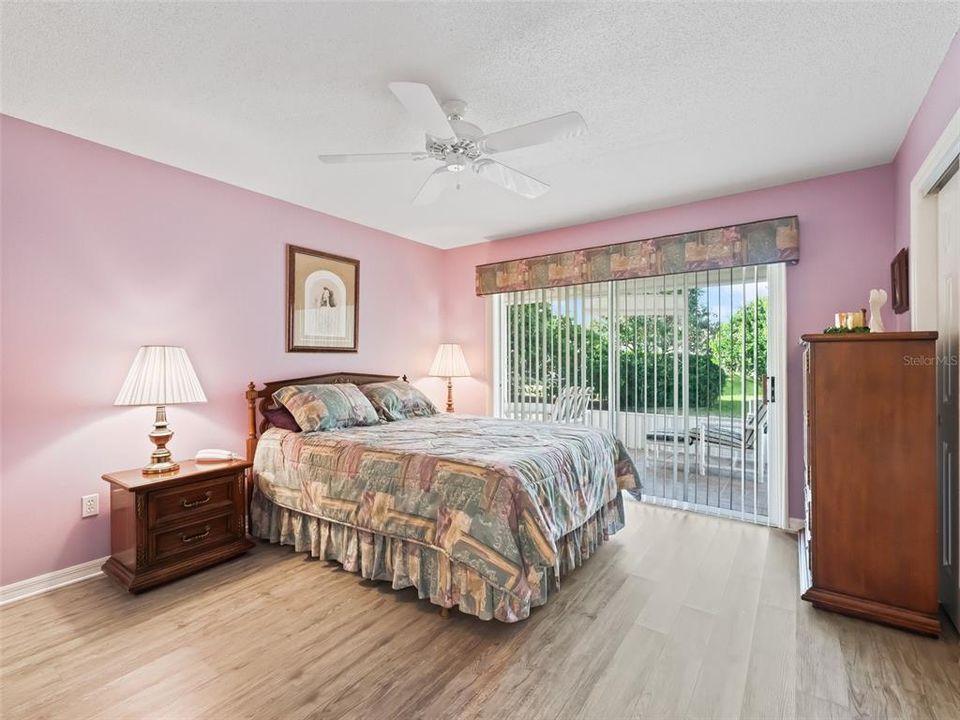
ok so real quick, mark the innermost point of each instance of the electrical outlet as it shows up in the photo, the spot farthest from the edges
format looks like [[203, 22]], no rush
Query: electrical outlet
[[90, 505]]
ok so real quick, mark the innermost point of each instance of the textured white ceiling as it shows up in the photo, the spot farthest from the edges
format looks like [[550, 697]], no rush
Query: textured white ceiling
[[683, 100]]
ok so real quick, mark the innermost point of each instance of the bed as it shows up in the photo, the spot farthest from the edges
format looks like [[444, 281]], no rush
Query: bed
[[483, 514]]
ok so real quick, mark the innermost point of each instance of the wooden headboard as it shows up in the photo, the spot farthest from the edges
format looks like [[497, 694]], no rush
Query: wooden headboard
[[265, 396]]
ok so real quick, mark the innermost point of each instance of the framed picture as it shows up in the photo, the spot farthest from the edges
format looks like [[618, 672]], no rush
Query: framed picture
[[323, 297], [900, 283]]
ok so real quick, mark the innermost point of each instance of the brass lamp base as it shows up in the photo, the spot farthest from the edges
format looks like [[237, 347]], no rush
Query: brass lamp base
[[449, 395], [158, 468], [161, 461]]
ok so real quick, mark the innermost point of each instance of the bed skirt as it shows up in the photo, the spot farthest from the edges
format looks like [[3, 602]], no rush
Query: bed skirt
[[406, 563]]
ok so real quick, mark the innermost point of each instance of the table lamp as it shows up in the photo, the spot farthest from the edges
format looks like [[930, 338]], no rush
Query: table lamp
[[449, 363], [161, 375]]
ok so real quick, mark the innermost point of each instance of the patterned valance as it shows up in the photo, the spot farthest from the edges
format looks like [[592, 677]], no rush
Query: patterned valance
[[756, 243]]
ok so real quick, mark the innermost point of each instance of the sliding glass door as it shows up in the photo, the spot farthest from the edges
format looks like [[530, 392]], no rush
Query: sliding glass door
[[679, 367]]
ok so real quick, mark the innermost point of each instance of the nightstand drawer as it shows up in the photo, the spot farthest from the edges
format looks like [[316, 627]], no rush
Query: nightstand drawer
[[165, 545], [182, 503], [166, 526]]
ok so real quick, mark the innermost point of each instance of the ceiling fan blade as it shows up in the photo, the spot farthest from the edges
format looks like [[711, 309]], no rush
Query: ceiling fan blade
[[422, 104], [438, 181], [373, 157], [507, 177], [558, 127]]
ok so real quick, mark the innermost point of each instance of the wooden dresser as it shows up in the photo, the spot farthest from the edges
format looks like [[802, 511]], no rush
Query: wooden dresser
[[163, 527], [870, 425]]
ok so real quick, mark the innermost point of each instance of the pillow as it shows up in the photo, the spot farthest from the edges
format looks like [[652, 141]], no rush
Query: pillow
[[325, 407], [281, 418], [398, 400]]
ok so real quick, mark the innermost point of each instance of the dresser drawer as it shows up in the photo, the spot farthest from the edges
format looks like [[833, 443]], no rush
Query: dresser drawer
[[163, 545], [183, 503]]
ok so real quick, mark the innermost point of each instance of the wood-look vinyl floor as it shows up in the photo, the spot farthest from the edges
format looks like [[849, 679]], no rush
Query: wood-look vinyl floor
[[679, 616]]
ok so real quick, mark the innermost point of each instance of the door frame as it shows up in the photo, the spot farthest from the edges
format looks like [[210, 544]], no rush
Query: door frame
[[924, 290], [778, 499], [496, 333]]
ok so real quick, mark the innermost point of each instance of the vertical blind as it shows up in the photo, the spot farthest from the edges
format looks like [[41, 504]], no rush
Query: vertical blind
[[674, 366]]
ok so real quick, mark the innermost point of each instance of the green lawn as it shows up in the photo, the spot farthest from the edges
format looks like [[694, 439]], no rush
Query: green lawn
[[730, 400], [729, 404]]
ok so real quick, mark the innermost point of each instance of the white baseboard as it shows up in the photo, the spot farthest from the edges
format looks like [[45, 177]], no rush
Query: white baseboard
[[44, 583], [796, 524]]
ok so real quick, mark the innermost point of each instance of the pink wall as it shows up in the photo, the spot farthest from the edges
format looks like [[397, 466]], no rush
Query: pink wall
[[846, 237], [938, 107], [104, 251]]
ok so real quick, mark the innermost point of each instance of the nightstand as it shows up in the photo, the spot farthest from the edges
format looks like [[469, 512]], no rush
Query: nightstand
[[163, 527]]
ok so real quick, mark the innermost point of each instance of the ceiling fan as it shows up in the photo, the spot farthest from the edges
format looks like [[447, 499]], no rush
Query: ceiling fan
[[460, 145]]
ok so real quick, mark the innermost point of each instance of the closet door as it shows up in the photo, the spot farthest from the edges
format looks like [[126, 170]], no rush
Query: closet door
[[948, 378]]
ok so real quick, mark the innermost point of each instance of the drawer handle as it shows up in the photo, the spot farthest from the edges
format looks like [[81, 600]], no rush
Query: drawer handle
[[196, 503], [197, 537]]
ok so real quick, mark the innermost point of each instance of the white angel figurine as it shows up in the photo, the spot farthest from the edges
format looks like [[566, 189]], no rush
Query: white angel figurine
[[878, 298]]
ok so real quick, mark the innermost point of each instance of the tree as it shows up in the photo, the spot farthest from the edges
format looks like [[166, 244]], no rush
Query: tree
[[649, 347], [549, 352], [736, 340]]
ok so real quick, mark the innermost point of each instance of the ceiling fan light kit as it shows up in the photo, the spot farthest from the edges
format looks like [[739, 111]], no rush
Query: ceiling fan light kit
[[461, 145]]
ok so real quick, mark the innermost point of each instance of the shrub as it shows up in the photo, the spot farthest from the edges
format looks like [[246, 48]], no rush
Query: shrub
[[706, 381]]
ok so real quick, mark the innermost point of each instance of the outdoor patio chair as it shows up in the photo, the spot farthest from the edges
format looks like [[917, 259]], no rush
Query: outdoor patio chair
[[570, 404], [675, 440], [729, 438]]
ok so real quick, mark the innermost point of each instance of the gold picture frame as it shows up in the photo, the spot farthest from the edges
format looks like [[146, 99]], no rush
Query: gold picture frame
[[323, 301]]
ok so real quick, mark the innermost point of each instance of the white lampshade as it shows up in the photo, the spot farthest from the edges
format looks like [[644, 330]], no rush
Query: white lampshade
[[450, 362], [160, 375]]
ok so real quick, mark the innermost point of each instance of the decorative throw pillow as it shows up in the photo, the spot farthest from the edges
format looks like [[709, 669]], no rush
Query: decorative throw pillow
[[325, 407], [281, 418], [398, 400]]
